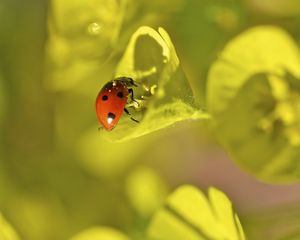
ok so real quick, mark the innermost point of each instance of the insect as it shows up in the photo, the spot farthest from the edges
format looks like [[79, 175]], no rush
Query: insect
[[112, 99]]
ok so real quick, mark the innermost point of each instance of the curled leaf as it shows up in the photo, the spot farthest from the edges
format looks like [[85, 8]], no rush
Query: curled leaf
[[189, 215], [254, 96], [260, 49], [164, 95]]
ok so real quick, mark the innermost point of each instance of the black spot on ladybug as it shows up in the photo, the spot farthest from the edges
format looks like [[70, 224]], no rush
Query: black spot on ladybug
[[105, 97], [111, 116], [120, 94]]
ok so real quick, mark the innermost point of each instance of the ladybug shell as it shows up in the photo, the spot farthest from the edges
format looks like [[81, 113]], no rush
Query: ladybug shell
[[110, 103]]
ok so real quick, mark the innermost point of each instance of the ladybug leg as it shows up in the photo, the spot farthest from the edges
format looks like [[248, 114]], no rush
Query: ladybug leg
[[126, 110], [130, 90], [134, 120]]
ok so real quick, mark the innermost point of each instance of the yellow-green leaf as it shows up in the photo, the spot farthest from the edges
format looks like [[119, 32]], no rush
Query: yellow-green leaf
[[6, 230], [163, 92], [188, 214], [82, 35], [100, 233], [260, 49], [254, 96]]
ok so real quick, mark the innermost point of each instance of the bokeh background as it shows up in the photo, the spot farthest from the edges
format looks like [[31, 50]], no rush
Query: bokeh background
[[59, 175]]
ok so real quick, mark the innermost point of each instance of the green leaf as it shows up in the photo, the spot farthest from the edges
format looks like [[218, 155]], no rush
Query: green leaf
[[189, 215], [81, 38], [150, 59], [100, 233], [260, 49], [254, 96], [6, 230]]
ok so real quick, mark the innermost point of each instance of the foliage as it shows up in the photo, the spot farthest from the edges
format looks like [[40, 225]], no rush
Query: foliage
[[6, 231], [189, 215], [253, 93], [100, 233], [150, 59], [62, 178], [84, 43]]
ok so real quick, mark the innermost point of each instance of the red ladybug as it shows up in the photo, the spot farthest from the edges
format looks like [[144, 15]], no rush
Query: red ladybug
[[111, 101]]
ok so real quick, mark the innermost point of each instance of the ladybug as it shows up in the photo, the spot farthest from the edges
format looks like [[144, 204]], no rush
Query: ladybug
[[112, 99]]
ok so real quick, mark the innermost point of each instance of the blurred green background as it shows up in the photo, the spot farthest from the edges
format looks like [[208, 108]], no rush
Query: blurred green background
[[59, 175]]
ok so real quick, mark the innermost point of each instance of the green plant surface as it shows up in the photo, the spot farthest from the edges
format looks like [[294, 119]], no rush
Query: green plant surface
[[100, 233], [77, 49], [188, 214], [6, 230], [254, 93], [260, 49], [2, 99], [279, 8], [212, 62], [151, 60]]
